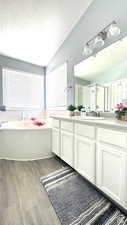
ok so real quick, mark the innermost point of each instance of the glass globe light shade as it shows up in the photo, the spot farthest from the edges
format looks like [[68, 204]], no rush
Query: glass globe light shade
[[113, 31], [87, 50], [98, 42]]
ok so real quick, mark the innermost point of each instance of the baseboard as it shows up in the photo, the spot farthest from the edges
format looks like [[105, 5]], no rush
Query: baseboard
[[17, 159]]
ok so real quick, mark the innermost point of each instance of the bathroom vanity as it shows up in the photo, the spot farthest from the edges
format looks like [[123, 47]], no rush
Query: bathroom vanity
[[97, 150]]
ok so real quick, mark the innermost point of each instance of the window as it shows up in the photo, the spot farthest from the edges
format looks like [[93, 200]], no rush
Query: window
[[56, 85], [116, 93], [22, 90], [82, 95]]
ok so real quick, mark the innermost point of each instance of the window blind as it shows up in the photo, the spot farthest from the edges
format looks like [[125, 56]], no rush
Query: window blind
[[22, 90]]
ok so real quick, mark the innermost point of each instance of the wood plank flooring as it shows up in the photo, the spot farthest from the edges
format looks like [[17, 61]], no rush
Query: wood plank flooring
[[22, 200]]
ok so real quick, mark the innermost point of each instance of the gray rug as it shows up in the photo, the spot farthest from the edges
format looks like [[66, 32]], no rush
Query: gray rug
[[76, 202]]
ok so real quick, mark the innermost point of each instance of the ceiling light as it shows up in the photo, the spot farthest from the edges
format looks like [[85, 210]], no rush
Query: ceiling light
[[113, 31], [98, 41], [87, 50]]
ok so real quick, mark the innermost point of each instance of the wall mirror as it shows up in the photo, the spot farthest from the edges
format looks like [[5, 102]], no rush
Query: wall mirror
[[106, 78]]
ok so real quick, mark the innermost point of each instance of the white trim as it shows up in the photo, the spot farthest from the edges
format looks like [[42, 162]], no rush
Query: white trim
[[22, 71], [29, 159], [23, 109], [57, 108]]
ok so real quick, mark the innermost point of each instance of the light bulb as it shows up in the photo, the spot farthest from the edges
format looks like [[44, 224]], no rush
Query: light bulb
[[113, 31], [87, 50], [98, 42]]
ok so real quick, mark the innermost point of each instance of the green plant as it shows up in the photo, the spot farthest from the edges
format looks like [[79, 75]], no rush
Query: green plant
[[79, 107], [71, 107]]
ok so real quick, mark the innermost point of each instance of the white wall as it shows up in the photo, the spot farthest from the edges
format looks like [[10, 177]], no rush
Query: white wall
[[56, 88]]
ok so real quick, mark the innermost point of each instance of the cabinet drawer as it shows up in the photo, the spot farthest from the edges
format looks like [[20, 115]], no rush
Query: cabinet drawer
[[112, 137], [85, 130], [56, 123], [66, 125]]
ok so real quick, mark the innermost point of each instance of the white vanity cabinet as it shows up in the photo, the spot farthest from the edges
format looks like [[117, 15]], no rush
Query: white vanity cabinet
[[85, 157], [84, 151], [56, 137], [56, 141], [111, 164], [67, 142], [67, 147], [97, 151], [62, 140]]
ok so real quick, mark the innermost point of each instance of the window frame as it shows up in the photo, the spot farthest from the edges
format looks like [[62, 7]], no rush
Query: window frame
[[8, 108]]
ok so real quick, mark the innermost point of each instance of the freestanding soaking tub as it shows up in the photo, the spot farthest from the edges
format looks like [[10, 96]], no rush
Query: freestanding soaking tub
[[21, 140]]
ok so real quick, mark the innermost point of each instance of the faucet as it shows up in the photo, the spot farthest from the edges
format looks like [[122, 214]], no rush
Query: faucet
[[94, 113]]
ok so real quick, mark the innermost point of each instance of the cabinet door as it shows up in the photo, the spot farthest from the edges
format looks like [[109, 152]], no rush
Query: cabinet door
[[67, 147], [56, 141], [85, 157], [111, 172]]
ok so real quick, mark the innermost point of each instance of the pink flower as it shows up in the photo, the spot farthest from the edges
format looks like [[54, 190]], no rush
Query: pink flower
[[38, 123], [125, 104], [33, 118], [120, 106], [117, 106]]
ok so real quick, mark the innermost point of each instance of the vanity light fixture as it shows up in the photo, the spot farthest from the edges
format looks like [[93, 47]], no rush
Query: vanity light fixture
[[98, 41]]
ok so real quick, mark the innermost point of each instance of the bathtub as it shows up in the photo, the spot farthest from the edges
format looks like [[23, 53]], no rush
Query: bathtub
[[21, 140]]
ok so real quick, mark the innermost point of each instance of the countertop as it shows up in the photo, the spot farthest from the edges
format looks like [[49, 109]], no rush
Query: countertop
[[114, 123]]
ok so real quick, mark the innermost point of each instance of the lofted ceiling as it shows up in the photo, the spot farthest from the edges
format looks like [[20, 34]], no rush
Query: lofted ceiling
[[105, 61], [33, 30]]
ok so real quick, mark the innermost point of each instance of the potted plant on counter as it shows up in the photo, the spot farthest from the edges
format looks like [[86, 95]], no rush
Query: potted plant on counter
[[121, 112], [71, 109], [80, 107]]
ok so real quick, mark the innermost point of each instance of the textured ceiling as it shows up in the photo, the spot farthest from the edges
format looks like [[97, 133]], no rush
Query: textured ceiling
[[33, 30]]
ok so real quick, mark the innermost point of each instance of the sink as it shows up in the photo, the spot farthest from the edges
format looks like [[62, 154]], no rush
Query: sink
[[89, 118]]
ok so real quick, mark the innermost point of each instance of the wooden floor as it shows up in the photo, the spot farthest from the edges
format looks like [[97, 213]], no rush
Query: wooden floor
[[22, 200]]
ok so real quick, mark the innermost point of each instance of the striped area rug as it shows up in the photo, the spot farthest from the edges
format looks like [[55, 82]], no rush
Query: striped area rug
[[76, 202]]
